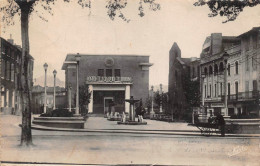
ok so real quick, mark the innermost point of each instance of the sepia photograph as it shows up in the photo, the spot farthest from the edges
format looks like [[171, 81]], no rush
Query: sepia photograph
[[129, 82]]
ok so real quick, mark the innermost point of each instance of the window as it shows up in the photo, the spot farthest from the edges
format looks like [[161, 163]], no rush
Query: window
[[215, 69], [228, 90], [74, 74], [247, 86], [229, 69], [221, 88], [3, 68], [254, 85], [236, 89], [210, 70], [101, 72], [109, 72], [221, 67], [247, 63], [215, 92], [117, 73], [8, 73], [205, 91], [236, 64], [12, 72], [206, 71], [254, 62], [193, 72], [209, 90]]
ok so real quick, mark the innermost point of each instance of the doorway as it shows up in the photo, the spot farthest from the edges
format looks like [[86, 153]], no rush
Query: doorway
[[107, 100]]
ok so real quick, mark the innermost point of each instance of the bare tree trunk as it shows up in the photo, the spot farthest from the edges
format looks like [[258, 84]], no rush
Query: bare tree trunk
[[26, 135]]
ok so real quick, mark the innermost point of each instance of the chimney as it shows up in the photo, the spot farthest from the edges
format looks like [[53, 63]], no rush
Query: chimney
[[11, 40]]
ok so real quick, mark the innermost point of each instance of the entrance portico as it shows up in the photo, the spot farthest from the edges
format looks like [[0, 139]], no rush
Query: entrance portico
[[118, 92]]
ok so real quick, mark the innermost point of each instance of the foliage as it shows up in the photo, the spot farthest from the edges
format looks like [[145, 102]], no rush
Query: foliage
[[227, 8], [12, 8], [58, 113], [84, 98], [192, 92], [161, 97]]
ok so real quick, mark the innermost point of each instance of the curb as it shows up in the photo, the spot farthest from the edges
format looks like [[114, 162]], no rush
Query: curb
[[141, 132]]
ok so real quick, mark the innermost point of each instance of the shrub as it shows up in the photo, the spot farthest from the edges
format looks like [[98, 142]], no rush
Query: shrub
[[58, 113]]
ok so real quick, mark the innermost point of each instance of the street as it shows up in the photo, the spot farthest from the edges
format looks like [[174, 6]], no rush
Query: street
[[118, 148]]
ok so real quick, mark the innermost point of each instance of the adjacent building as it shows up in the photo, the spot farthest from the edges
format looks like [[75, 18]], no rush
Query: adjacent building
[[10, 75], [231, 82], [109, 78], [38, 98], [182, 74]]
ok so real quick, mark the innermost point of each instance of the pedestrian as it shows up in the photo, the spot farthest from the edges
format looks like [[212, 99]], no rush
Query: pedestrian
[[221, 123]]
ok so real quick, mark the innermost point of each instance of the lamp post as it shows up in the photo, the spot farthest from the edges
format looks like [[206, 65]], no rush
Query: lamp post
[[54, 88], [77, 98], [69, 88], [225, 56], [152, 112], [45, 66], [161, 95]]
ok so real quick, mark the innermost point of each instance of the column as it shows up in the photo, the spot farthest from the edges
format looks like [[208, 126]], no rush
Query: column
[[90, 105], [127, 96]]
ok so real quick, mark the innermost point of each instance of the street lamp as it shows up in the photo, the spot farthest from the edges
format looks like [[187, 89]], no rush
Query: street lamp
[[54, 94], [77, 98], [152, 112], [69, 89], [225, 57], [161, 98], [45, 66]]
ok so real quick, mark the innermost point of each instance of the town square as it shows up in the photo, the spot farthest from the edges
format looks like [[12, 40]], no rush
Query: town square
[[119, 82]]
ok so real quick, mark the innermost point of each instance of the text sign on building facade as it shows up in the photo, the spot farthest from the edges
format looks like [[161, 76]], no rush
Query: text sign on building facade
[[97, 79], [217, 105]]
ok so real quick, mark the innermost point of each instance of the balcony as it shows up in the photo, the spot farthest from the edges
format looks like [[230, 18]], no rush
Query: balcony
[[243, 96]]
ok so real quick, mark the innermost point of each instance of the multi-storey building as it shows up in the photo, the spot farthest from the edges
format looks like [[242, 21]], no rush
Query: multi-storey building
[[10, 75], [109, 78], [182, 73], [230, 82]]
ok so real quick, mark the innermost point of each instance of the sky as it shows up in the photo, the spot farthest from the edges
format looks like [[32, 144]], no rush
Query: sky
[[72, 29]]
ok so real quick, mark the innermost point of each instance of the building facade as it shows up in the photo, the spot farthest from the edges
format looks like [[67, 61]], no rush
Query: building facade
[[10, 75], [230, 84], [38, 97], [109, 78], [182, 74]]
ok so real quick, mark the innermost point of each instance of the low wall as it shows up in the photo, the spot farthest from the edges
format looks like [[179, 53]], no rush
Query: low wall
[[60, 122], [243, 126]]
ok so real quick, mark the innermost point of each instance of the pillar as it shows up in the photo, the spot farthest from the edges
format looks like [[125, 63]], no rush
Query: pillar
[[127, 96], [90, 105]]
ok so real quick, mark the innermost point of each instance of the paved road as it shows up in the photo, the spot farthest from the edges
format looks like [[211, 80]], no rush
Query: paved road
[[100, 148]]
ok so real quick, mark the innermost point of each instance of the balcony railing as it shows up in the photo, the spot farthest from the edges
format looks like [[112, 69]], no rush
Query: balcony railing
[[251, 95], [244, 96]]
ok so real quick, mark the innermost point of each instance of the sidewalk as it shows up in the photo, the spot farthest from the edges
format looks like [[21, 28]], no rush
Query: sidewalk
[[100, 125], [153, 127]]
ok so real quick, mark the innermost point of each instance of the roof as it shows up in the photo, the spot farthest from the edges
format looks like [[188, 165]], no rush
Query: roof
[[40, 89], [254, 29], [70, 58], [18, 47]]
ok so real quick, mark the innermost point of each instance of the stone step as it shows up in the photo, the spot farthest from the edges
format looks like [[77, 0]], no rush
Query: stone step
[[59, 118]]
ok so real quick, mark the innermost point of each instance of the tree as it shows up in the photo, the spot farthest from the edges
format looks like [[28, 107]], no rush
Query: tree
[[84, 98], [227, 8], [161, 97], [24, 8]]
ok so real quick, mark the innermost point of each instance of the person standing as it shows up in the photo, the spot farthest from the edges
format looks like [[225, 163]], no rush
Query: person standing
[[221, 123]]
